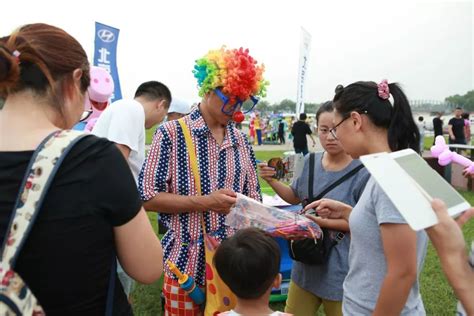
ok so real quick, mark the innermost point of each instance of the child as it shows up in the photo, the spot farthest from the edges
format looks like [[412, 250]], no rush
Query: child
[[249, 264]]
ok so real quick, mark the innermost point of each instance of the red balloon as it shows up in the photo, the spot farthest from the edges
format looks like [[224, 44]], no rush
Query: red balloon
[[238, 117]]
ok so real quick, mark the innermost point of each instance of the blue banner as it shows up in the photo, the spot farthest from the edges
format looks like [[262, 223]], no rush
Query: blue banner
[[105, 54]]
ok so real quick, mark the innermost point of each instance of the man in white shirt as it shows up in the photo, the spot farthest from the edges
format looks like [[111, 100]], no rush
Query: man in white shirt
[[124, 123]]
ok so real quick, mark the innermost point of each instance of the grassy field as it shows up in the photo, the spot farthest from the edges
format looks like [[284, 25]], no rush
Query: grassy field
[[437, 295]]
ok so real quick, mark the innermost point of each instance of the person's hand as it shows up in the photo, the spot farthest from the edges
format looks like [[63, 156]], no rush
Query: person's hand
[[452, 137], [318, 220], [327, 208], [221, 201], [447, 236], [266, 172], [467, 174]]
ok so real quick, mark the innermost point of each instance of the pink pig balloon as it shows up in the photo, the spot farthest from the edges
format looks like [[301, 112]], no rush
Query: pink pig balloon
[[100, 90], [445, 156]]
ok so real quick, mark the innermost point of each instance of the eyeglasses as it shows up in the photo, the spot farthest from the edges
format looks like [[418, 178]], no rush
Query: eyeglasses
[[333, 130], [85, 115], [245, 107]]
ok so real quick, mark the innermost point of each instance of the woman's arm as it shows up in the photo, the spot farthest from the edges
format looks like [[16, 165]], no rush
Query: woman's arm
[[399, 243], [139, 249], [332, 209], [448, 240], [284, 191], [334, 224]]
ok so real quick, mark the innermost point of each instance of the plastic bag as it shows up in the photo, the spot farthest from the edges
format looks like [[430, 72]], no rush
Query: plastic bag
[[278, 223]]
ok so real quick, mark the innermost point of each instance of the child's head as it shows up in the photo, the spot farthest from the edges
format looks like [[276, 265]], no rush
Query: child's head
[[465, 115], [365, 108], [324, 122], [249, 263], [303, 117]]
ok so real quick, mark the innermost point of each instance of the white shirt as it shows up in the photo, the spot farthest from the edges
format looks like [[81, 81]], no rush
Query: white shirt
[[123, 122]]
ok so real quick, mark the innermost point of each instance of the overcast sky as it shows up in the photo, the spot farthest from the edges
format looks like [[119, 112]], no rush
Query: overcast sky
[[426, 46]]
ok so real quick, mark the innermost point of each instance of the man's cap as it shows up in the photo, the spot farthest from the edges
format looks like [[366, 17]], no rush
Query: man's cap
[[179, 106]]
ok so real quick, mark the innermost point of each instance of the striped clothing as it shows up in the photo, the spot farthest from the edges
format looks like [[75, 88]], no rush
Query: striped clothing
[[231, 166]]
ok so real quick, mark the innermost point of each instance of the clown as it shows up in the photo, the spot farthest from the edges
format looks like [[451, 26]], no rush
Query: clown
[[98, 94], [230, 82], [235, 77]]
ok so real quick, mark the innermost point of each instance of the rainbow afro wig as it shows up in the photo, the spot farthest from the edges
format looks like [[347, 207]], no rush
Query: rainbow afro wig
[[232, 70]]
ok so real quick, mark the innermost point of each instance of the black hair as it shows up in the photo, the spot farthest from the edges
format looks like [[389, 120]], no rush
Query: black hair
[[152, 90], [397, 118], [465, 115], [327, 106], [302, 116], [421, 118], [248, 262], [458, 108]]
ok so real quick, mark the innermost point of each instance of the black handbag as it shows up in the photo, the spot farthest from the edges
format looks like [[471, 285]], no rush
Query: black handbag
[[316, 251]]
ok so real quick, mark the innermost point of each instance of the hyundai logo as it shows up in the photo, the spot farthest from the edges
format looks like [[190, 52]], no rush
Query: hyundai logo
[[106, 35]]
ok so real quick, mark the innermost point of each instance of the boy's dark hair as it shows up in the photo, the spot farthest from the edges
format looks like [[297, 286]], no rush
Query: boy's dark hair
[[397, 118], [327, 106], [248, 262], [302, 116], [152, 90], [458, 108]]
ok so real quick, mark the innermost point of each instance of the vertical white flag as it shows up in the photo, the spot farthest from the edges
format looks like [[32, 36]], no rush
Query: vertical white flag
[[305, 47]]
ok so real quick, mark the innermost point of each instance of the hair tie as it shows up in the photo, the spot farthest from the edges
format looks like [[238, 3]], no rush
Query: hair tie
[[16, 54], [383, 90]]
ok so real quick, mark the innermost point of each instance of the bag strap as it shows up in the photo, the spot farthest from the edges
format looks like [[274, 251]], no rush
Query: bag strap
[[340, 235], [330, 187], [194, 163], [39, 175], [311, 175]]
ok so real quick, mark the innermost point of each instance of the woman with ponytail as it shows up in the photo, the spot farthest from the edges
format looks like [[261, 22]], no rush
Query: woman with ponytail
[[386, 255]]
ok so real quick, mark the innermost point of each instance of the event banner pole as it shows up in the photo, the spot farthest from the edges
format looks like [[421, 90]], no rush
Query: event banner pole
[[305, 47], [105, 54]]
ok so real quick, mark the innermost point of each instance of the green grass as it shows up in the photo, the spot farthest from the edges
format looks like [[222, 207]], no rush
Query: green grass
[[437, 295], [149, 135]]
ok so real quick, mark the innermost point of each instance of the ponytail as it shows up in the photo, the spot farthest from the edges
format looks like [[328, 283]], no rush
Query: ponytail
[[396, 116], [402, 131]]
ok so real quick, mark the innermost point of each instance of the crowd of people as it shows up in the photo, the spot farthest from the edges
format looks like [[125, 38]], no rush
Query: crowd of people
[[278, 129], [93, 213]]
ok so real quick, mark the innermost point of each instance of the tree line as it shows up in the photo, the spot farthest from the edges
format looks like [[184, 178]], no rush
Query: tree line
[[465, 101]]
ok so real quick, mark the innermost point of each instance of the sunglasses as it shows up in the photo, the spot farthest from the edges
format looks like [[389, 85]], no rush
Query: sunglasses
[[245, 107]]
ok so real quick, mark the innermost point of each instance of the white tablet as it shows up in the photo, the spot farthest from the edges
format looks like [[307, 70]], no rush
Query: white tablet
[[411, 184]]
